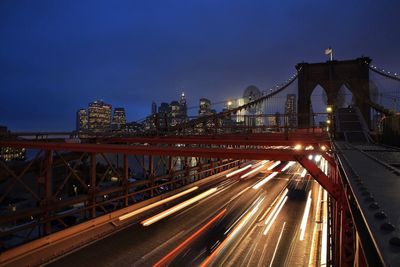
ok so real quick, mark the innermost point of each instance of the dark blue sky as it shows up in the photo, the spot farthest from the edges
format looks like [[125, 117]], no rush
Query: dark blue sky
[[56, 56]]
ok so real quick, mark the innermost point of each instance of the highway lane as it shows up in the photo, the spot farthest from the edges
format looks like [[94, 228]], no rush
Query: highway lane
[[139, 245], [281, 245]]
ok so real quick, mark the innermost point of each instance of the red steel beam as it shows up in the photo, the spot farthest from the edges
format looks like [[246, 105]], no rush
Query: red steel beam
[[234, 153], [318, 175], [219, 141]]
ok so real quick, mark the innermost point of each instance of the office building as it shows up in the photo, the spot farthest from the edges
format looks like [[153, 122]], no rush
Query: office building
[[153, 108], [99, 117], [290, 111], [10, 153], [119, 120], [205, 107], [82, 120], [183, 106]]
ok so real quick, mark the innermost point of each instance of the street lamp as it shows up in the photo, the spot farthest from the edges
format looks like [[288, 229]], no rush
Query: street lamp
[[329, 109]]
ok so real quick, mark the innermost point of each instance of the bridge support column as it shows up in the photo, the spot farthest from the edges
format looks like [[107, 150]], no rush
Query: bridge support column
[[48, 188], [125, 182], [92, 191]]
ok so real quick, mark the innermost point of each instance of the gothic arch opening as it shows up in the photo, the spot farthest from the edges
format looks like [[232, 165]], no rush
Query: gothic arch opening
[[318, 103], [344, 97]]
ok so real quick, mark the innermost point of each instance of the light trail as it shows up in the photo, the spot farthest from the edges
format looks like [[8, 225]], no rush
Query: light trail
[[314, 238], [303, 224], [274, 165], [234, 232], [253, 171], [277, 244], [178, 207], [167, 258], [303, 173], [324, 245], [259, 163], [239, 170], [265, 180], [290, 163], [158, 203], [278, 203], [274, 214]]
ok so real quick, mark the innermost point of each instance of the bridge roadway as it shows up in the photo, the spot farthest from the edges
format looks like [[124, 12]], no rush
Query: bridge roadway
[[375, 182], [197, 232]]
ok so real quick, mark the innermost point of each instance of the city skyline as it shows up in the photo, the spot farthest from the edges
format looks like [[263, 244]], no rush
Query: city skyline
[[50, 61]]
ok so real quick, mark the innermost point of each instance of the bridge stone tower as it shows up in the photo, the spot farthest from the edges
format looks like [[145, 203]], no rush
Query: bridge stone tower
[[331, 75]]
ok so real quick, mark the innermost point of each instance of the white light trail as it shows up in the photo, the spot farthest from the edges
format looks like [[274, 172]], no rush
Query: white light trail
[[178, 207], [259, 163], [265, 180], [303, 224], [240, 224], [290, 163], [252, 171], [275, 215], [274, 165], [324, 245], [278, 203], [303, 173], [158, 203], [238, 170], [277, 244]]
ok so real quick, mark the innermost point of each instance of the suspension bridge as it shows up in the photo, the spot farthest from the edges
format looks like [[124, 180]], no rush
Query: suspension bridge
[[209, 191]]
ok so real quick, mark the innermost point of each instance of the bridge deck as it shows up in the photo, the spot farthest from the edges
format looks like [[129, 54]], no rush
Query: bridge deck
[[375, 185]]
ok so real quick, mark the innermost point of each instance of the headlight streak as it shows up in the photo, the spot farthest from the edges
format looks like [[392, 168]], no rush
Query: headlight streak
[[278, 203], [274, 213], [259, 163], [304, 220], [274, 165], [177, 207], [167, 258], [253, 171], [277, 244], [234, 232], [238, 170], [303, 173], [289, 164], [314, 240], [265, 180], [158, 203], [324, 242]]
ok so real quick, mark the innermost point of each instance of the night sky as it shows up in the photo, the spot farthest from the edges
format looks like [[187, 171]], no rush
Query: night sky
[[56, 56]]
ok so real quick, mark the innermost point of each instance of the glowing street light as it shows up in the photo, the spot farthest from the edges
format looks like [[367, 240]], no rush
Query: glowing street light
[[329, 109], [328, 121]]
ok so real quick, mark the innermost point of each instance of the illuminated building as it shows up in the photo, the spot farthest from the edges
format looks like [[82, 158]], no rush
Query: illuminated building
[[174, 114], [119, 120], [205, 107], [290, 111], [183, 106], [153, 108], [9, 153], [81, 120], [99, 114]]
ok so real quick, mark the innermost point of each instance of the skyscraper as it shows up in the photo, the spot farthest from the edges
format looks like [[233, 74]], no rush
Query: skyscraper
[[183, 106], [204, 107], [81, 120], [119, 120], [290, 111], [174, 113], [99, 114], [153, 108]]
